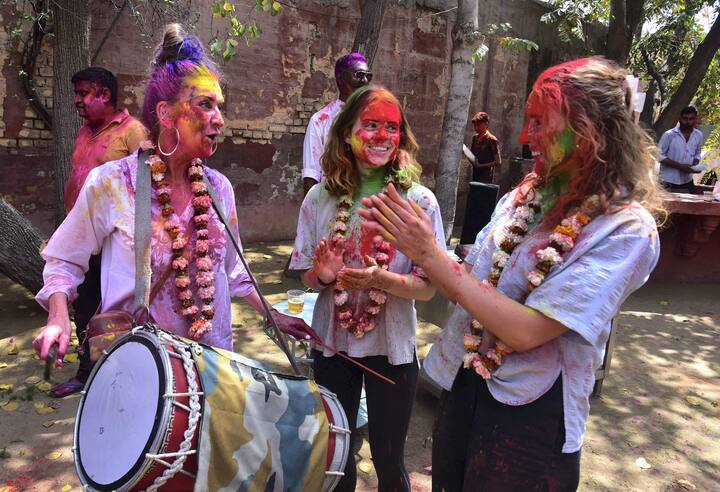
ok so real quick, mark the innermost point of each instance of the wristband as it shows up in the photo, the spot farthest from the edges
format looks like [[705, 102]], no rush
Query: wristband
[[328, 284]]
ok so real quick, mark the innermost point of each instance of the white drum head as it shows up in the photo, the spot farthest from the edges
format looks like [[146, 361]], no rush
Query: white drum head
[[120, 414]]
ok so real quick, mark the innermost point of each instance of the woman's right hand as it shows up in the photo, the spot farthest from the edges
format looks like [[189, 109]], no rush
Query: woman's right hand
[[57, 330], [328, 260]]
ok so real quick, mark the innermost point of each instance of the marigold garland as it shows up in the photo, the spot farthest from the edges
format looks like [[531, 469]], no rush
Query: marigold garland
[[381, 251], [200, 318], [561, 241]]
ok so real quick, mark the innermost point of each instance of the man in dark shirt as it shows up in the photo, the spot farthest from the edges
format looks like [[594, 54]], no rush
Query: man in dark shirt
[[484, 150]]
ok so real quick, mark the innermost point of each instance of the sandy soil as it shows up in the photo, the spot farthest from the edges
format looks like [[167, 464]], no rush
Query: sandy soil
[[655, 427]]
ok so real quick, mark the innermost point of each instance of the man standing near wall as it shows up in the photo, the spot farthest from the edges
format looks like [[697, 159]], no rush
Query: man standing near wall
[[680, 153], [484, 152], [351, 73], [107, 134]]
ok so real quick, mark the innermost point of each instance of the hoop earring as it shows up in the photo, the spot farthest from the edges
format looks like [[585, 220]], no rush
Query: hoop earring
[[177, 136], [214, 147]]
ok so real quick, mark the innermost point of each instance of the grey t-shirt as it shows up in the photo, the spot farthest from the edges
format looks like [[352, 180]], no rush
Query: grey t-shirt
[[613, 256], [394, 335]]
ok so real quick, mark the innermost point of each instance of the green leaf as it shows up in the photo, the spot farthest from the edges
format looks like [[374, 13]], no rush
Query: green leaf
[[480, 53]]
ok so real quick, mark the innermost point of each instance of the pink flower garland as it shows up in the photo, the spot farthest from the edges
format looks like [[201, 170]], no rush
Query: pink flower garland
[[200, 318], [562, 240], [381, 250]]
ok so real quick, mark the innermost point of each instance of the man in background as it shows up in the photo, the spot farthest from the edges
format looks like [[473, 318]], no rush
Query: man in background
[[680, 149], [108, 133], [351, 73], [484, 152]]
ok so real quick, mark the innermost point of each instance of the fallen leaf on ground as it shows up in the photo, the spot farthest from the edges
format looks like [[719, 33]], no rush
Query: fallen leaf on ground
[[54, 455], [66, 488], [642, 463], [48, 423], [71, 358], [693, 400], [686, 484], [3, 365], [54, 404], [13, 350], [365, 466], [42, 409], [664, 303], [32, 380], [10, 406], [6, 387], [44, 386]]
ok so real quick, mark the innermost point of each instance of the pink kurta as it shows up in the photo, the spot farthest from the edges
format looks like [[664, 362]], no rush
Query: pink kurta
[[103, 219]]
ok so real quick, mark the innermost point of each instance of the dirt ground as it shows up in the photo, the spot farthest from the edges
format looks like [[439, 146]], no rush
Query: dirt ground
[[655, 427]]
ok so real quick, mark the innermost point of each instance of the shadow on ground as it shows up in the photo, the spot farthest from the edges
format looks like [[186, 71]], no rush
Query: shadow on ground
[[659, 402]]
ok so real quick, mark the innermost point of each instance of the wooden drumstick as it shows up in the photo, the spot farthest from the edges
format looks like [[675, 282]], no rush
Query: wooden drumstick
[[359, 364]]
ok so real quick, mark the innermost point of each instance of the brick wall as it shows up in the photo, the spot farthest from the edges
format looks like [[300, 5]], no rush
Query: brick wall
[[272, 88]]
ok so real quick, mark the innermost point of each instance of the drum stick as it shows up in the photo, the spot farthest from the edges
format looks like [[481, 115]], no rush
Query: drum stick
[[281, 339], [350, 359]]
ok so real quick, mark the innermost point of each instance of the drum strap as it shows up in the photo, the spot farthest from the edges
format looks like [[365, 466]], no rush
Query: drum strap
[[143, 269], [280, 338]]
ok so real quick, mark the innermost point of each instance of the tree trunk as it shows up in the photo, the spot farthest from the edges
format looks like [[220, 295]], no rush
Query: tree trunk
[[462, 71], [625, 22], [368, 30], [697, 68], [71, 20], [20, 249]]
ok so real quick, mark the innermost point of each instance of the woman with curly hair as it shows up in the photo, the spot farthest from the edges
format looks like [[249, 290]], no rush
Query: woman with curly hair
[[540, 287], [367, 288]]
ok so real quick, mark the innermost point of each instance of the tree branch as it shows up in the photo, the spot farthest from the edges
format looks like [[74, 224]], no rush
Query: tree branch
[[696, 70]]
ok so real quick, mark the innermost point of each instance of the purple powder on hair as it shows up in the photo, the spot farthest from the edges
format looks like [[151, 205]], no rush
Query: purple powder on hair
[[347, 61]]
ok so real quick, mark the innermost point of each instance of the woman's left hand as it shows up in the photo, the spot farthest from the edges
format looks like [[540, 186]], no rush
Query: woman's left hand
[[404, 223], [360, 278], [295, 327]]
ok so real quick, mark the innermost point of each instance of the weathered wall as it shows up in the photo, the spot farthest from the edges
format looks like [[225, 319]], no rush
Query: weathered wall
[[274, 86]]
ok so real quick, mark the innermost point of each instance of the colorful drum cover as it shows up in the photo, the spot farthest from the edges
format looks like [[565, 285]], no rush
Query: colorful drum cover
[[261, 431]]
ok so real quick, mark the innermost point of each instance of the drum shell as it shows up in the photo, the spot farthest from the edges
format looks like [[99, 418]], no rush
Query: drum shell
[[173, 421]]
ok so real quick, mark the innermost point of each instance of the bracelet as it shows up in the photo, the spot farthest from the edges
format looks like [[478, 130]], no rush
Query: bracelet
[[328, 284]]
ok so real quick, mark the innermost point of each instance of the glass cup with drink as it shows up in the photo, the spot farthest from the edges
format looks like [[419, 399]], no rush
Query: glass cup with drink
[[296, 301]]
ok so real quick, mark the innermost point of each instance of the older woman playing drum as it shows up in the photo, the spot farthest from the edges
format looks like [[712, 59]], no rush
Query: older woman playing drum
[[182, 111]]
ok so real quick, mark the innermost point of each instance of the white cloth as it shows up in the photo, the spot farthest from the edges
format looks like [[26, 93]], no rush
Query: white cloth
[[612, 257], [315, 138], [673, 145], [394, 335], [104, 218]]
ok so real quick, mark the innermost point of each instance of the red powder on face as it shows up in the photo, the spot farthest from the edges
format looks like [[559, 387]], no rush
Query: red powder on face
[[380, 122]]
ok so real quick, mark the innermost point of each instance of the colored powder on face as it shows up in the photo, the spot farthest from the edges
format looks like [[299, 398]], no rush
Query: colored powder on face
[[561, 148]]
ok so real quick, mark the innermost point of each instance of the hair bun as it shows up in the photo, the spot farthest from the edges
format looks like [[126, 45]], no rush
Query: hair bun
[[177, 45]]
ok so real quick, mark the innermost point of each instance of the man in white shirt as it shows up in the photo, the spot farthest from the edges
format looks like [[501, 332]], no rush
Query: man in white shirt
[[351, 72], [680, 153]]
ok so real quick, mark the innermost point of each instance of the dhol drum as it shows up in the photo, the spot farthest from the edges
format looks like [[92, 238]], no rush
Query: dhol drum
[[163, 413]]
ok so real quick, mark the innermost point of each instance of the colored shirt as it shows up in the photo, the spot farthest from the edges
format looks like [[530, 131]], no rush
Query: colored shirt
[[394, 335], [484, 149], [613, 256], [103, 218], [121, 136], [316, 136], [673, 145]]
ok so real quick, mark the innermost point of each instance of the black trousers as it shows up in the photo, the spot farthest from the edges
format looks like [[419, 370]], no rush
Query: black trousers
[[85, 307], [482, 445], [389, 408]]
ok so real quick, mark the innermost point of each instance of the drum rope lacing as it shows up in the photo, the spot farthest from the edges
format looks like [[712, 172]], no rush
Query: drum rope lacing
[[194, 411]]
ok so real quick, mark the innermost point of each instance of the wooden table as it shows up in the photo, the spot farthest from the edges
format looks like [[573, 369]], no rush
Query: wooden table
[[690, 239]]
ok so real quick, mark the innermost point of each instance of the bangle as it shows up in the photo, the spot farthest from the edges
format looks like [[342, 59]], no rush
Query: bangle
[[328, 284]]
